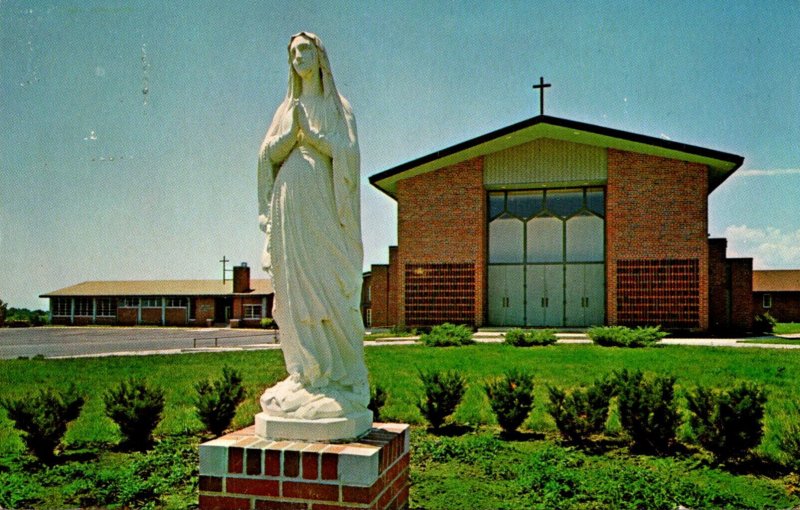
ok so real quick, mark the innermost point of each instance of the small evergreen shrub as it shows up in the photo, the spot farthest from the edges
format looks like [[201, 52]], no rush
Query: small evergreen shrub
[[647, 410], [531, 337], [43, 419], [764, 323], [402, 330], [136, 409], [448, 335], [582, 412], [511, 398], [268, 323], [621, 336], [377, 399], [443, 393], [727, 423], [216, 401]]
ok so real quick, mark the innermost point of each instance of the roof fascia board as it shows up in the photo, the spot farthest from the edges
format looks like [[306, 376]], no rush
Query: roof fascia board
[[720, 164]]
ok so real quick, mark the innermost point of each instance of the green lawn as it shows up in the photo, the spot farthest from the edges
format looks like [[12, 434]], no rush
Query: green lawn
[[786, 328], [440, 481]]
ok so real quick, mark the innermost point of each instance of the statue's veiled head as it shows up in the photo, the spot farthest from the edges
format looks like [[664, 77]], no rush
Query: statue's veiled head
[[307, 55]]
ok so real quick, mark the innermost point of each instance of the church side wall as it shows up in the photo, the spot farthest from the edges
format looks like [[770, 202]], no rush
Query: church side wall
[[441, 266], [656, 226], [392, 304], [718, 285], [380, 296], [742, 292]]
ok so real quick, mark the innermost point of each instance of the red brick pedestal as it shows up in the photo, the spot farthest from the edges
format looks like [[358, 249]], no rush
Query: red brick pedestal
[[243, 471]]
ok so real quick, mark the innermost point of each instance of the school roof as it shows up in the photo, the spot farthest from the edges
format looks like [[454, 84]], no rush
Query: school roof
[[159, 288], [776, 280], [720, 164]]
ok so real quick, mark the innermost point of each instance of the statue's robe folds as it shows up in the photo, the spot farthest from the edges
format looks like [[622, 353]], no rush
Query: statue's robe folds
[[310, 204]]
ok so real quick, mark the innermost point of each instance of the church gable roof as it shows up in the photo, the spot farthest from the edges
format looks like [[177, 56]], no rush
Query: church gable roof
[[720, 164]]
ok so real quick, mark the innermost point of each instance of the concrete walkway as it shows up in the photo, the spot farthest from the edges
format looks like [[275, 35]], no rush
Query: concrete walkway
[[488, 337]]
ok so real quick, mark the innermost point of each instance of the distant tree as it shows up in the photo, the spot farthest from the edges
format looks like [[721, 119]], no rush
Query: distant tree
[[3, 309]]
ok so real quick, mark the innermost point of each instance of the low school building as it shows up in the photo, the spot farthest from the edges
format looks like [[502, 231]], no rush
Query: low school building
[[777, 292], [238, 302]]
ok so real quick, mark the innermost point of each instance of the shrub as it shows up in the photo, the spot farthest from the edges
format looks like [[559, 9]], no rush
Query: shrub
[[727, 423], [136, 409], [268, 323], [216, 402], [764, 323], [448, 335], [511, 399], [581, 412], [621, 336], [377, 399], [43, 419], [532, 337], [647, 410], [402, 330], [443, 393]]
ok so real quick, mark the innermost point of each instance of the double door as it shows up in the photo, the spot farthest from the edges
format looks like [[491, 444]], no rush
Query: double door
[[546, 295]]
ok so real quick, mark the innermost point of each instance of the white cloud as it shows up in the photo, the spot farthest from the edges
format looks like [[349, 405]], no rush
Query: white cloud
[[770, 248], [768, 172]]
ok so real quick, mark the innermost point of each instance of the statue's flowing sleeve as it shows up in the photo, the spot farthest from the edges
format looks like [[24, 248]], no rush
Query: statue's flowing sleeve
[[346, 180], [267, 170]]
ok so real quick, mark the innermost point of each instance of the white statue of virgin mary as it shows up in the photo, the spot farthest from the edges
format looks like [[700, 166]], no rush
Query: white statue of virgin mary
[[309, 208]]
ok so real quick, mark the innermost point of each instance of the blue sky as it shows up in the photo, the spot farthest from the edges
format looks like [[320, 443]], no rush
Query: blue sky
[[101, 181]]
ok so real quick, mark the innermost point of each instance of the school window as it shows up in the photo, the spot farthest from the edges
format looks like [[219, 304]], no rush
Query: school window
[[369, 318], [151, 302], [106, 307], [61, 307], [252, 311], [83, 307], [176, 302], [129, 302], [766, 300]]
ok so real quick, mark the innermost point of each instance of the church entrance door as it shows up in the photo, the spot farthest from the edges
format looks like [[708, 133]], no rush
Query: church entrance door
[[547, 258]]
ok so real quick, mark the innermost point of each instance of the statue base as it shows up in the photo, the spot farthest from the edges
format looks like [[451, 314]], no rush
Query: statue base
[[243, 471], [349, 428]]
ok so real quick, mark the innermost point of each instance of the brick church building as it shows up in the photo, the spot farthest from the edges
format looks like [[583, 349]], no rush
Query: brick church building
[[556, 223]]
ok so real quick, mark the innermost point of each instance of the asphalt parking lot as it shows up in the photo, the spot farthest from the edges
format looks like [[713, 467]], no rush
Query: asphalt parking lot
[[71, 341]]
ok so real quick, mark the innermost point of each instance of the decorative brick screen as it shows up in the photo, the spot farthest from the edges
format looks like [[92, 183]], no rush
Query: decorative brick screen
[[662, 292], [437, 293]]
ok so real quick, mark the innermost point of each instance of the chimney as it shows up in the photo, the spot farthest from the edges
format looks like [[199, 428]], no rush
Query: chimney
[[241, 278]]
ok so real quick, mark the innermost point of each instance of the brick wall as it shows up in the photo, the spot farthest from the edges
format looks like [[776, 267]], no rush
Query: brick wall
[[176, 316], [151, 316], [656, 209], [379, 297], [741, 271], [127, 316], [392, 317], [785, 305], [718, 285], [441, 219], [203, 310], [242, 470]]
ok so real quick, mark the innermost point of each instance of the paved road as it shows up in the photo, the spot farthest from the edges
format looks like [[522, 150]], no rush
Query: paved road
[[54, 342], [71, 341]]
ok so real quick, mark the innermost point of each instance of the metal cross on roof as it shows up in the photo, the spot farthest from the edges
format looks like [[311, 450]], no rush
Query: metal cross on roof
[[224, 261], [541, 86]]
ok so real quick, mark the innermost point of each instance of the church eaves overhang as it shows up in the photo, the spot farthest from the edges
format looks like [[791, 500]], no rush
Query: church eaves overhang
[[720, 164]]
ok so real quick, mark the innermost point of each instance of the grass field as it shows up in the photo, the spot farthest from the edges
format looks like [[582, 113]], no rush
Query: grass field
[[786, 328], [495, 478]]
